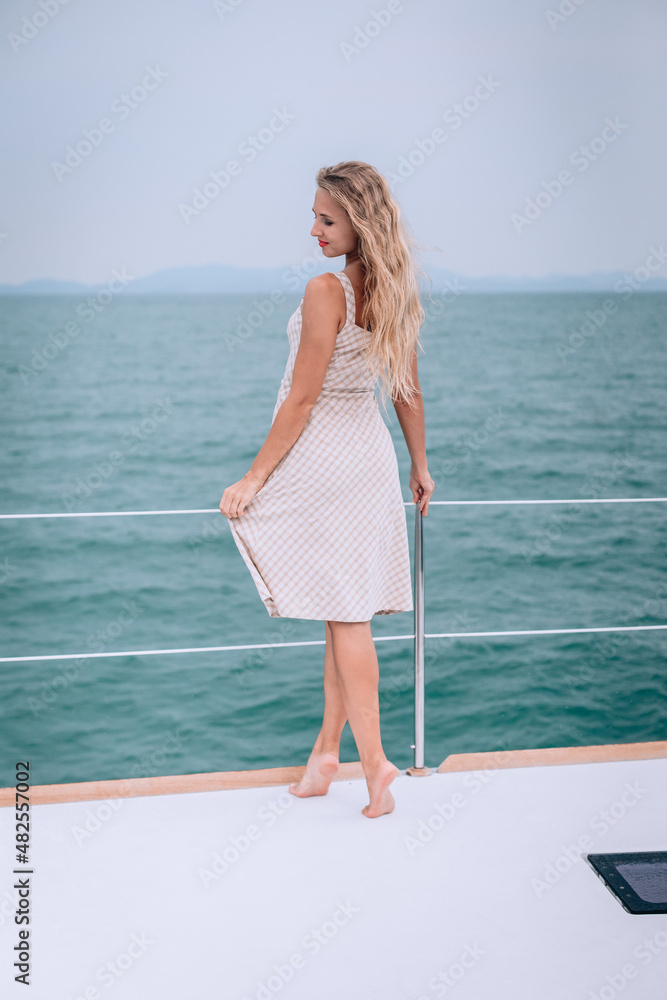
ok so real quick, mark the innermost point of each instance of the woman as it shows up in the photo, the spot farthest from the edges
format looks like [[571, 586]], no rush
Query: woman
[[319, 518]]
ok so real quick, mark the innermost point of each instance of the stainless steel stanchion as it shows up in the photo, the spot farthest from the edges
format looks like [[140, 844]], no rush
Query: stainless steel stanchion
[[418, 769]]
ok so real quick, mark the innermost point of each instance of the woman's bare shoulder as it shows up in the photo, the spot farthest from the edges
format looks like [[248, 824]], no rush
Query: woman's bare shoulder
[[323, 284], [325, 293]]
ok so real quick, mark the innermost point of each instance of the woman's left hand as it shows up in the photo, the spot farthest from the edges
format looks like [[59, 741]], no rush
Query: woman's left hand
[[237, 496], [422, 487]]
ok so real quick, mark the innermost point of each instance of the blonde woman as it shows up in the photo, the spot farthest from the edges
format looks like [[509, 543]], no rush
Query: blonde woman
[[319, 517]]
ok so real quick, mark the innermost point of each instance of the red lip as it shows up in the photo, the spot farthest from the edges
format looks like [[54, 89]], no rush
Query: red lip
[[322, 243]]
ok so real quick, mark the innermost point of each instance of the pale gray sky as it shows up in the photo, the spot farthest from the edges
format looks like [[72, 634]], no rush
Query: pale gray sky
[[532, 86]]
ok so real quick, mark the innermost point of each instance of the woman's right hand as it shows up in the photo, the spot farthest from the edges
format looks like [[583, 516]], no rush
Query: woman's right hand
[[237, 496], [421, 487]]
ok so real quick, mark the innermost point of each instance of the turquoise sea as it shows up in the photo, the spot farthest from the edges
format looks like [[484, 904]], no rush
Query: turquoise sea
[[160, 403]]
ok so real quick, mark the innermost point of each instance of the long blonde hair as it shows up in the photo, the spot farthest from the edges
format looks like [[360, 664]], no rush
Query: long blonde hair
[[392, 308]]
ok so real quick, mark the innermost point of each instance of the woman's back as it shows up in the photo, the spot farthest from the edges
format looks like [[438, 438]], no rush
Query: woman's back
[[348, 371]]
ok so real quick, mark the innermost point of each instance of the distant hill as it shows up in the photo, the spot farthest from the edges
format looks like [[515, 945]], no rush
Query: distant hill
[[223, 279]]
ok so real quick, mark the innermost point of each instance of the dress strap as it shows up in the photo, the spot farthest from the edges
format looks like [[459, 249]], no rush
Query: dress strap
[[348, 289]]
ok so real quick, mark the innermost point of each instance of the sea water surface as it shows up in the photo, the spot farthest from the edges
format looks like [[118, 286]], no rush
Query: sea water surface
[[160, 403]]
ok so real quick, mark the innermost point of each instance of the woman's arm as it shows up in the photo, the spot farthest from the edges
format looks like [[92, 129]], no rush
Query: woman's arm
[[321, 319], [411, 418]]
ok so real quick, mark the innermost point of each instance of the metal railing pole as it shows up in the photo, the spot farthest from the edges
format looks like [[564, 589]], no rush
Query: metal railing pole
[[418, 767]]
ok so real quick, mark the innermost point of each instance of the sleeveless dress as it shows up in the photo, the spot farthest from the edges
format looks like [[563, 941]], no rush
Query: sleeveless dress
[[326, 536]]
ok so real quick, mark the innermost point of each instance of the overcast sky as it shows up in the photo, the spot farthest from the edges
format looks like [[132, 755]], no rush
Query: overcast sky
[[519, 95]]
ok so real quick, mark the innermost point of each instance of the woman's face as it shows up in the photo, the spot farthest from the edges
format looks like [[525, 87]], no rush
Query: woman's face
[[332, 226]]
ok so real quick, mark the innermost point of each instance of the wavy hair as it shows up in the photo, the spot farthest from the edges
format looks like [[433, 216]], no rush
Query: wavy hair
[[392, 308]]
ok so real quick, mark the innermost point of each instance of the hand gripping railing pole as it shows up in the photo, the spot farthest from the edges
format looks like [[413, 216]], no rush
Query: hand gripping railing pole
[[418, 768]]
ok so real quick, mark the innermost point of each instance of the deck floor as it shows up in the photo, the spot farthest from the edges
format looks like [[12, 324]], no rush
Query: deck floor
[[472, 888]]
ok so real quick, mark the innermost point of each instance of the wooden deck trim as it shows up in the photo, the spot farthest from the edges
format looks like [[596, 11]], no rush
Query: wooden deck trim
[[173, 784], [177, 784], [606, 752]]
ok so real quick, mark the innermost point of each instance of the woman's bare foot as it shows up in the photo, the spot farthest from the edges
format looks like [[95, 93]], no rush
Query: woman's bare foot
[[382, 801], [320, 771]]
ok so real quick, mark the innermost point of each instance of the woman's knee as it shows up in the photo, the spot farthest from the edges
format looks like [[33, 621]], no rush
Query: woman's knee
[[348, 626]]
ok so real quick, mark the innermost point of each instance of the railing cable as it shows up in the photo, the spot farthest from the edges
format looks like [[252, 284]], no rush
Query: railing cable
[[321, 642], [406, 503]]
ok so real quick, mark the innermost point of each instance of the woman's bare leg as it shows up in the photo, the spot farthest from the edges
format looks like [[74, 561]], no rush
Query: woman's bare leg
[[323, 762], [358, 674]]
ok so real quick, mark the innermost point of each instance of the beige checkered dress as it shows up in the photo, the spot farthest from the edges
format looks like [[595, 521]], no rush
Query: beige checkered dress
[[326, 536]]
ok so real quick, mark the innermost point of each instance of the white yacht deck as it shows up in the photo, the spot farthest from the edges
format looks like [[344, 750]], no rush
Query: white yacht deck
[[473, 887]]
